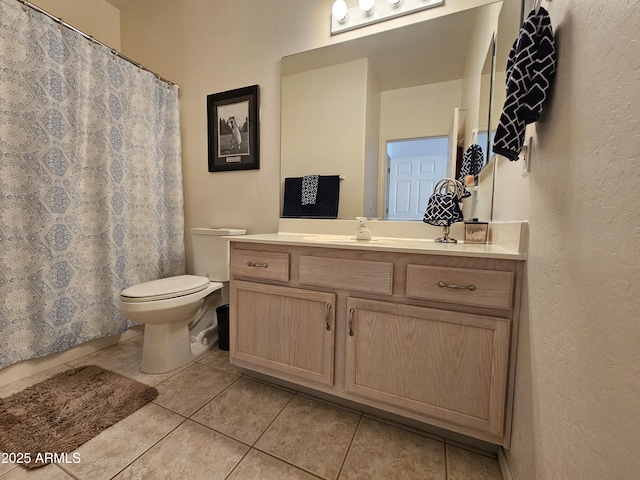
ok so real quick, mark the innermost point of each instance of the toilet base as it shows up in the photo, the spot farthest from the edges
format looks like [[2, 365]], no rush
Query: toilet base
[[166, 347]]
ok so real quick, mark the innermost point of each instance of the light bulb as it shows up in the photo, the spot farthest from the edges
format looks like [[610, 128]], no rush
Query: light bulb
[[339, 11], [366, 6]]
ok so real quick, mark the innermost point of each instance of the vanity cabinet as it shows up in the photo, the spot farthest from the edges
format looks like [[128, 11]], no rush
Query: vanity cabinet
[[430, 338]]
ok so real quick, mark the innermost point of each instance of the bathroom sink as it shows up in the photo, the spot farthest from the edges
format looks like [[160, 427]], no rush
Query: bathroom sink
[[344, 239], [382, 241], [330, 238]]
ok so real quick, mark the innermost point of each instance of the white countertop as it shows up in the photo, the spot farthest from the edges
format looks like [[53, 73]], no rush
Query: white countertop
[[506, 250]]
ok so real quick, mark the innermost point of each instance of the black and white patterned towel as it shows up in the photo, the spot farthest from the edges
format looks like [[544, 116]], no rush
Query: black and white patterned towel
[[310, 189], [472, 163], [530, 69], [443, 209]]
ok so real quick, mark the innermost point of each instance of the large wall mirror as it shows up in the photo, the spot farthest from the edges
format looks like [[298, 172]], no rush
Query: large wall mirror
[[352, 109]]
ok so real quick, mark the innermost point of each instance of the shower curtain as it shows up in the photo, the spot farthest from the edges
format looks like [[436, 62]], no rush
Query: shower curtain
[[91, 197]]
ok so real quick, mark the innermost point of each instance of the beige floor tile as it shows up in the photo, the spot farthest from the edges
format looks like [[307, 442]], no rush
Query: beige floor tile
[[192, 451], [6, 467], [260, 466], [104, 456], [220, 359], [311, 435], [244, 410], [20, 385], [124, 358], [382, 451], [139, 339], [48, 472], [193, 387], [466, 465]]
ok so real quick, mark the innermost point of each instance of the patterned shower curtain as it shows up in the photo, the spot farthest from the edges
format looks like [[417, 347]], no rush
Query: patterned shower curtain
[[91, 194]]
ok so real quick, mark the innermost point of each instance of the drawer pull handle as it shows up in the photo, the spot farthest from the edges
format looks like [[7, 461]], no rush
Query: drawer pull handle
[[352, 311], [327, 314], [471, 287], [260, 265]]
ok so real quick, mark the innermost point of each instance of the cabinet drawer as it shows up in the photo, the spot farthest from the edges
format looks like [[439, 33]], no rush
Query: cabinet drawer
[[360, 275], [264, 265], [480, 288]]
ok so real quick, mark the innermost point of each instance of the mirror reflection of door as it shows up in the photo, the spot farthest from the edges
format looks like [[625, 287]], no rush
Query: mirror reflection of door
[[413, 168]]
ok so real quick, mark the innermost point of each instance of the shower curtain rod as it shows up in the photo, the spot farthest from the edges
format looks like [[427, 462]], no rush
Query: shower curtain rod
[[90, 37]]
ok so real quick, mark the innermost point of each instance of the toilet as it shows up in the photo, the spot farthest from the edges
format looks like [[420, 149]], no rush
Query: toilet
[[178, 312]]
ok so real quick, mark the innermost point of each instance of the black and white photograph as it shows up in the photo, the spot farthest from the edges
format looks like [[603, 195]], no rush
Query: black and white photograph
[[233, 129]]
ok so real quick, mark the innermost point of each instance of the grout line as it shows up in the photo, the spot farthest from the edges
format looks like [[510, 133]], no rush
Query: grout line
[[353, 437], [446, 463], [271, 423], [184, 419], [239, 462], [214, 397], [297, 467], [71, 474]]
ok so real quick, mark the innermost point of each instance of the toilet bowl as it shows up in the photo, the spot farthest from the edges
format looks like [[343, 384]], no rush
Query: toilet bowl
[[167, 307], [176, 310]]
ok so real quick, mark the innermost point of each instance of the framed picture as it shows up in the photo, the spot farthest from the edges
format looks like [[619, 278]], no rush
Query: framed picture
[[232, 126]]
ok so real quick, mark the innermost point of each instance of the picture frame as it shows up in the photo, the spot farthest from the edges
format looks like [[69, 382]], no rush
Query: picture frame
[[233, 130]]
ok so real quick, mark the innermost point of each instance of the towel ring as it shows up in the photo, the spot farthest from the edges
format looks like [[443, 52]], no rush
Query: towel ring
[[450, 185]]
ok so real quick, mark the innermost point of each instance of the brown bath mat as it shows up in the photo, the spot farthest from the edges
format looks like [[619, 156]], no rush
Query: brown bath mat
[[57, 415]]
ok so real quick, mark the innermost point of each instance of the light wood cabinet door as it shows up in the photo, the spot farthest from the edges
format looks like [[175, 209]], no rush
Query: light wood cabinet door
[[447, 365], [289, 330]]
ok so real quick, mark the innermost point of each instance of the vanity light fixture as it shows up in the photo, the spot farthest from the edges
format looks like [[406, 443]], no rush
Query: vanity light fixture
[[367, 12], [367, 6], [339, 11]]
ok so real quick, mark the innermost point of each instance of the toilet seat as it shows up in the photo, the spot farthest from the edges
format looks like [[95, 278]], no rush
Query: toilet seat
[[164, 288]]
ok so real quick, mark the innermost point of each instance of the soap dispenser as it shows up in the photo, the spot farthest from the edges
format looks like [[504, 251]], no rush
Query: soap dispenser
[[363, 232]]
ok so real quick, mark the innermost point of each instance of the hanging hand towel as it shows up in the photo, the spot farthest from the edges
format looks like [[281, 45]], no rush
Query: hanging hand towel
[[443, 207], [309, 189], [472, 162], [327, 198], [530, 69]]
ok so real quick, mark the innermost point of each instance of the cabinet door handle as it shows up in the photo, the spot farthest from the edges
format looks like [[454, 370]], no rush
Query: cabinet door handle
[[471, 287], [260, 265], [327, 315], [352, 312]]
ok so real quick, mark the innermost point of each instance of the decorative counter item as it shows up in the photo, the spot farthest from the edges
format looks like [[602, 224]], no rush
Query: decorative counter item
[[443, 208], [475, 231]]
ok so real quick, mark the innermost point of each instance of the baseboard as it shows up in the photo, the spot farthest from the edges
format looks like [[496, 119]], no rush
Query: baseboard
[[504, 465], [31, 367]]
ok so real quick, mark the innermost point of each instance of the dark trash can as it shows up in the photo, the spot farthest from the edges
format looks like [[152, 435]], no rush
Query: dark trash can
[[222, 312]]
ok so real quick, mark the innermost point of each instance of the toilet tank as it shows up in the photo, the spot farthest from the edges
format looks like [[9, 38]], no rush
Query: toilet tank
[[211, 252]]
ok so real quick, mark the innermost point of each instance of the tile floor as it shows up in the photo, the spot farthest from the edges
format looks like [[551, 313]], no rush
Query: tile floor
[[211, 422]]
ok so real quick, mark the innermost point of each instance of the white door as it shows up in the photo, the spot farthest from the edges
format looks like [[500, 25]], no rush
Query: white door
[[413, 168]]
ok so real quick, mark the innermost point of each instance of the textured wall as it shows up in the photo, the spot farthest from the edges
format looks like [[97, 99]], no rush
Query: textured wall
[[577, 410], [97, 18], [208, 47]]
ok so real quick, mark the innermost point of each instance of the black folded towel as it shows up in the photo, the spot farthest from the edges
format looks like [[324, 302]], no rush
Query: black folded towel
[[327, 198]]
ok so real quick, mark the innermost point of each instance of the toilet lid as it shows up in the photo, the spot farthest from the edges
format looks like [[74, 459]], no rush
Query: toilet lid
[[164, 288]]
